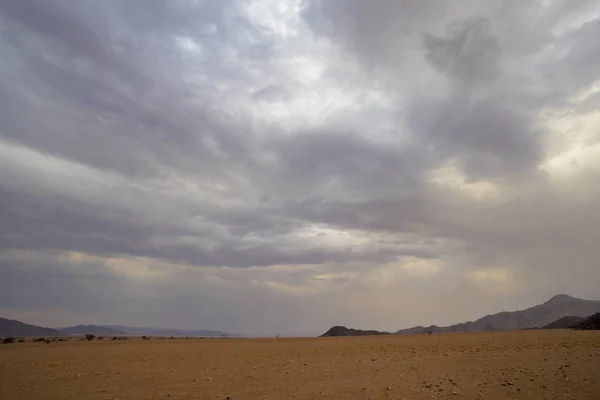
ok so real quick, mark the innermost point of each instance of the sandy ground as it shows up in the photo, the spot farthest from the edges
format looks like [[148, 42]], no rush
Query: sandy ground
[[509, 365]]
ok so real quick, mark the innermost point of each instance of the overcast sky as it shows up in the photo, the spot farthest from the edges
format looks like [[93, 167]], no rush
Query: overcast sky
[[282, 166]]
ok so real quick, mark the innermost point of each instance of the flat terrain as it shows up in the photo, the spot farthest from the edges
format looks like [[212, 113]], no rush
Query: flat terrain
[[508, 365]]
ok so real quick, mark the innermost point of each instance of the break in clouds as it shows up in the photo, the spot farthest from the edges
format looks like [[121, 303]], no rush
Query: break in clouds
[[281, 166]]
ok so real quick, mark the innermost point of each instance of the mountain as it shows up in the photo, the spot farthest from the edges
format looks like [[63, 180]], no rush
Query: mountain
[[9, 327], [93, 329], [590, 323], [343, 331], [141, 331], [564, 323], [538, 316]]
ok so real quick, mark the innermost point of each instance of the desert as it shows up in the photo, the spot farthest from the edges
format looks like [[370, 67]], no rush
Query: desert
[[532, 364]]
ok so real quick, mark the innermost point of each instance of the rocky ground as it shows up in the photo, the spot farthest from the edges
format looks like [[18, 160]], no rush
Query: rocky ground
[[510, 365]]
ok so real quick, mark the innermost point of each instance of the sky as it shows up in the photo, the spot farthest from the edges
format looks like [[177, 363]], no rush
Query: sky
[[283, 166]]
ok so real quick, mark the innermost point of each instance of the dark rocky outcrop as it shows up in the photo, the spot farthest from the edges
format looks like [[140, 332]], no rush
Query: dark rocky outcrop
[[591, 323], [343, 331]]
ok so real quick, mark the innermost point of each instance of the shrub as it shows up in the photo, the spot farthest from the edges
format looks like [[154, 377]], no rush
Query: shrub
[[8, 340], [90, 336], [47, 341], [100, 338], [145, 338], [21, 340], [40, 339]]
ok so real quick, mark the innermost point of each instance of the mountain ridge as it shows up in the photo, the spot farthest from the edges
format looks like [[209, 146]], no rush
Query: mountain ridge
[[538, 316]]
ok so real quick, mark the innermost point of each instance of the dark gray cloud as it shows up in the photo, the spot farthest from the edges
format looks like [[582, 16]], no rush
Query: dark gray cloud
[[490, 138], [246, 155], [379, 31], [470, 52]]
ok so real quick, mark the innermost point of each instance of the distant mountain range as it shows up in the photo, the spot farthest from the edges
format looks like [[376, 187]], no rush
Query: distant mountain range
[[10, 327], [139, 331], [538, 316], [19, 329], [560, 312], [93, 329]]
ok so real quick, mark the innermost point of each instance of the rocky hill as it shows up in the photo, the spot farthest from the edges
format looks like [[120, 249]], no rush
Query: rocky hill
[[590, 323], [10, 327], [534, 317], [343, 331]]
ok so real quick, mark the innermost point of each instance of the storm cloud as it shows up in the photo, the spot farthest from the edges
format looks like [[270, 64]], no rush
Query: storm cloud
[[275, 167]]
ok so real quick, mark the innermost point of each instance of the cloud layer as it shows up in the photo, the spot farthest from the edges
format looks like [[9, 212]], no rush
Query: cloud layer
[[282, 166]]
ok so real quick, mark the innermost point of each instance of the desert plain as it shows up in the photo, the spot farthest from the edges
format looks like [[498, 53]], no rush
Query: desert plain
[[535, 364]]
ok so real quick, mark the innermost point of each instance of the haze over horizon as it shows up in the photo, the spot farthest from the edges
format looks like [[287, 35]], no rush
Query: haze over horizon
[[285, 166]]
